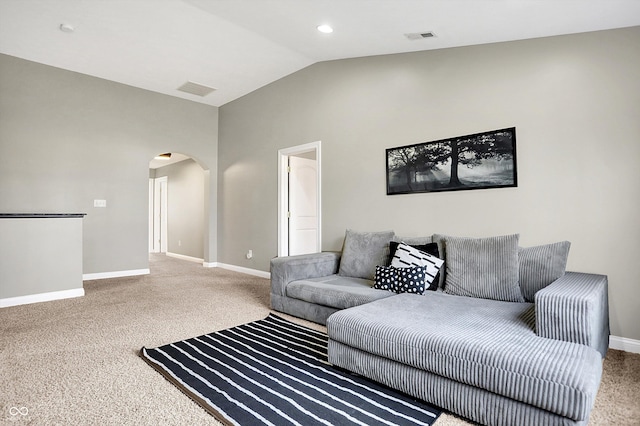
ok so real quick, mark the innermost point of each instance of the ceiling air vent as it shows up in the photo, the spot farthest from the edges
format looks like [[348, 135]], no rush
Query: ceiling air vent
[[196, 89], [419, 36]]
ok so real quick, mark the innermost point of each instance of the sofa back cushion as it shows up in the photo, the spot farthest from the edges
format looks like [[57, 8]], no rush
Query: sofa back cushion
[[362, 252], [487, 268], [540, 266], [414, 241]]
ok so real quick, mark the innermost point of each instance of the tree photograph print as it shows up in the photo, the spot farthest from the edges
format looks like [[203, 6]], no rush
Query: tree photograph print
[[478, 161]]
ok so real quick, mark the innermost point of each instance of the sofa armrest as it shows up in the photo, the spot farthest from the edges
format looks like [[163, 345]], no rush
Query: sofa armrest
[[292, 268], [575, 308]]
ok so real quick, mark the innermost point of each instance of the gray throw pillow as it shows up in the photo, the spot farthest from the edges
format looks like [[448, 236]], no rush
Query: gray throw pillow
[[486, 268], [540, 266], [362, 252]]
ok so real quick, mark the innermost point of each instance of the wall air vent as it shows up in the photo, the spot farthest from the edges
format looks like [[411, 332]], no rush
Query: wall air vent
[[196, 89], [420, 36]]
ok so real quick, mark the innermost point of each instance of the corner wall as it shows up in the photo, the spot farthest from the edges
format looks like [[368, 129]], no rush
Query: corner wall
[[574, 101], [68, 138]]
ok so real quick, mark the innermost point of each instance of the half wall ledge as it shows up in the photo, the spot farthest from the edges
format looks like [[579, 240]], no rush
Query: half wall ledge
[[41, 215], [40, 257]]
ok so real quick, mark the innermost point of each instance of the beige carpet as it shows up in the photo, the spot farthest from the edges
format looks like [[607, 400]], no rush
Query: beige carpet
[[75, 361]]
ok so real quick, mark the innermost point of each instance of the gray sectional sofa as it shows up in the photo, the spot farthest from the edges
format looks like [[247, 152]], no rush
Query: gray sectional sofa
[[507, 337]]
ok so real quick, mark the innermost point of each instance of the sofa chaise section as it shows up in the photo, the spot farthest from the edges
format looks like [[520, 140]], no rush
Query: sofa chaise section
[[488, 345]]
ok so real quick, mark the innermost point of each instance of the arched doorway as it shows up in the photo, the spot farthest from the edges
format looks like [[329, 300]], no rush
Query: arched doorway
[[177, 206]]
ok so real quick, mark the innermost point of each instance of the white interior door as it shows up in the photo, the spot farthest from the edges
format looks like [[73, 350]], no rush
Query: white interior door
[[303, 206], [300, 226]]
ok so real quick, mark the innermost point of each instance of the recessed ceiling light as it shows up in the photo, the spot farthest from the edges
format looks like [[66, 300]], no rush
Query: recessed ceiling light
[[67, 28], [325, 29]]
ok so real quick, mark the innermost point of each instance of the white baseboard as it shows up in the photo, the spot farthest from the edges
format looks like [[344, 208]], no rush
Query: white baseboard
[[624, 344], [115, 274], [240, 269], [184, 257], [41, 297]]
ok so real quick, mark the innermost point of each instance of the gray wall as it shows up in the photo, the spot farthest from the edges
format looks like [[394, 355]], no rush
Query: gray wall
[[575, 103], [40, 256], [67, 139], [185, 218]]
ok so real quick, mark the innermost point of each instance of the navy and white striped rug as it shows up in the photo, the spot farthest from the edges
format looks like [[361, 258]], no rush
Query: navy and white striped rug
[[275, 372]]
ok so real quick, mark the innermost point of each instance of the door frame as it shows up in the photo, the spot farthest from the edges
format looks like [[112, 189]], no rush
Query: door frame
[[160, 219], [283, 193], [151, 213]]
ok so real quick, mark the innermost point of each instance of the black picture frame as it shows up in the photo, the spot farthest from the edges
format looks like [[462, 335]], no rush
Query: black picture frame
[[478, 161]]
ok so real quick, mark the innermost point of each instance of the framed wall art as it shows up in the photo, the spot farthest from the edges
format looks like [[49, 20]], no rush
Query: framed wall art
[[478, 161]]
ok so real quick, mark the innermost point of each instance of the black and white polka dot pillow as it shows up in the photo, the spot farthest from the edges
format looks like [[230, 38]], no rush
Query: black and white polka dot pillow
[[400, 280], [411, 280], [385, 278]]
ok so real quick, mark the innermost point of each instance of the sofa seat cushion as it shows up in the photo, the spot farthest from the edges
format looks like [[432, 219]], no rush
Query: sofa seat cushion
[[336, 291], [483, 343]]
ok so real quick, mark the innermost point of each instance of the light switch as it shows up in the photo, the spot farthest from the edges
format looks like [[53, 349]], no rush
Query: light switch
[[99, 203]]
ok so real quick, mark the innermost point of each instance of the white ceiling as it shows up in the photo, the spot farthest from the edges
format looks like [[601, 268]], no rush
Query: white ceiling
[[237, 46]]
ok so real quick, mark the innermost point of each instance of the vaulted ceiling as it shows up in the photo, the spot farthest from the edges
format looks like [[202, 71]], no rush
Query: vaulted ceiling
[[237, 46]]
